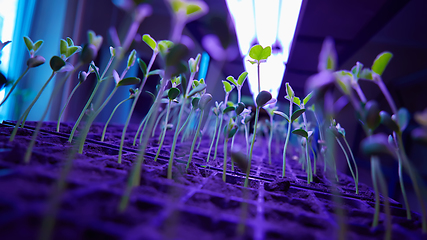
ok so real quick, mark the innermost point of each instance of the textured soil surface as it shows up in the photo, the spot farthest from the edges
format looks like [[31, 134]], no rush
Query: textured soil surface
[[196, 204]]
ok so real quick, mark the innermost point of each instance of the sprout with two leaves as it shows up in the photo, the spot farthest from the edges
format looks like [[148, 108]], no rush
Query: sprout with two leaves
[[294, 116], [227, 89], [204, 101], [32, 62], [216, 110]]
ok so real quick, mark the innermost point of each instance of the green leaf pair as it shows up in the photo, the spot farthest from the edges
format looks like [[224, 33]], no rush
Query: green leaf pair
[[125, 81], [32, 47], [67, 48], [259, 53]]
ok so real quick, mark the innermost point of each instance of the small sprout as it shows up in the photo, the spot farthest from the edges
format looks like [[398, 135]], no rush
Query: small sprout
[[204, 101], [388, 122], [240, 107], [263, 98], [259, 53], [196, 90], [173, 93], [193, 64], [131, 58], [82, 76], [301, 132], [372, 115], [150, 42], [328, 56], [381, 62]]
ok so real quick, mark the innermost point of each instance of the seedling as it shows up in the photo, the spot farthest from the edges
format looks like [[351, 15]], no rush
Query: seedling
[[259, 54], [294, 116], [204, 101], [172, 95], [32, 62], [263, 98], [216, 110], [227, 89], [270, 112], [229, 131], [132, 93]]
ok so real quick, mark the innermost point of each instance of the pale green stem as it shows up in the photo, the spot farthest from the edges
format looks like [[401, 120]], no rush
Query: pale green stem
[[185, 124], [213, 139], [349, 164], [219, 135], [158, 120], [107, 67], [195, 139], [355, 165], [164, 131], [270, 139], [14, 85], [315, 158], [402, 186], [387, 210], [66, 104], [377, 195], [140, 126], [111, 116], [309, 168], [387, 95], [248, 170], [360, 93], [150, 64], [39, 124], [224, 168], [287, 136], [92, 118], [259, 78], [247, 138], [413, 175], [82, 113], [27, 111]]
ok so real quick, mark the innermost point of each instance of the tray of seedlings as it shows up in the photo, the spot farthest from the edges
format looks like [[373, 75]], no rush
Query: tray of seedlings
[[198, 169]]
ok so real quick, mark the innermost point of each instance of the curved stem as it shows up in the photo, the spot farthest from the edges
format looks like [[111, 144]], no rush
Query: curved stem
[[259, 78], [92, 118], [377, 195], [148, 117], [248, 170], [355, 165], [14, 85], [140, 125], [111, 116], [270, 139], [163, 131], [314, 158], [219, 135], [402, 186], [66, 104], [107, 67], [387, 96], [27, 111], [82, 113], [360, 93], [247, 138], [186, 122], [158, 120], [349, 164], [387, 210], [195, 139], [213, 139], [309, 168], [132, 108]]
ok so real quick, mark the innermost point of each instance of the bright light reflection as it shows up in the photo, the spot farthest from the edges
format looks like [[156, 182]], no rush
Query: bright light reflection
[[287, 24], [266, 21]]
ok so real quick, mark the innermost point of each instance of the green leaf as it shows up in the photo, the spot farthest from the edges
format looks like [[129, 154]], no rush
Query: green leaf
[[142, 66], [56, 63], [193, 8], [301, 132], [149, 41], [28, 43], [227, 86], [297, 114], [232, 80], [70, 42], [327, 56], [259, 53], [282, 114], [128, 81], [204, 100], [297, 101], [63, 46], [131, 58], [164, 46], [72, 50], [356, 70], [173, 93], [366, 74], [307, 98], [289, 91], [403, 118], [381, 62], [242, 78], [159, 72], [240, 107], [198, 89], [95, 70], [37, 45], [229, 109], [263, 98], [195, 102]]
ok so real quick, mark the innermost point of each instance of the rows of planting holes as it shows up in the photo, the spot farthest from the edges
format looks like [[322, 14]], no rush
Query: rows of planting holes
[[281, 210]]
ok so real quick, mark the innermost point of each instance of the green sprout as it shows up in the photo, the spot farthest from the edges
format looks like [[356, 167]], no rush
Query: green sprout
[[173, 93], [204, 101], [216, 110], [32, 62], [270, 112], [259, 54], [229, 131], [227, 89]]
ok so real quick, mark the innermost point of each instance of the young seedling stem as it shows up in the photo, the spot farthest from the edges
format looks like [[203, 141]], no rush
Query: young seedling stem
[[111, 116], [213, 138], [195, 139], [14, 85], [248, 170], [164, 130], [66, 104], [349, 164], [287, 137]]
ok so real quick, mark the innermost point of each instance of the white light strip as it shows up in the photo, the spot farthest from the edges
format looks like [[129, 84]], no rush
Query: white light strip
[[266, 21], [289, 14], [242, 12]]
